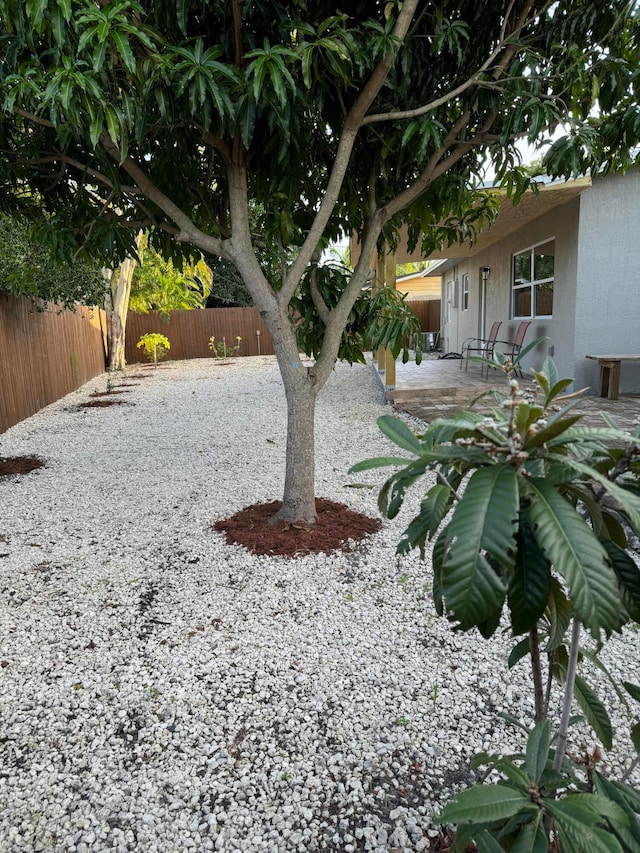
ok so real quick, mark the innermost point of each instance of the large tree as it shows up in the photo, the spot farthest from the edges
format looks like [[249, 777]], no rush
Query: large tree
[[330, 117]]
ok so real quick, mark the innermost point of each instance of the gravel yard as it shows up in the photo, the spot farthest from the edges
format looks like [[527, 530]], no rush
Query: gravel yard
[[164, 691]]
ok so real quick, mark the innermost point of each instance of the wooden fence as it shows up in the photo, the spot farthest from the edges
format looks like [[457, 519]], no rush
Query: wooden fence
[[45, 355], [428, 312], [189, 332]]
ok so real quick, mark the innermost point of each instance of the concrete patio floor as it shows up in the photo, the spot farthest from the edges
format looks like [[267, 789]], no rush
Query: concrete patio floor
[[439, 387]]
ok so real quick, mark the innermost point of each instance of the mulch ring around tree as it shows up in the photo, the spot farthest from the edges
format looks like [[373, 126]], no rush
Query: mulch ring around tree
[[19, 465], [337, 528]]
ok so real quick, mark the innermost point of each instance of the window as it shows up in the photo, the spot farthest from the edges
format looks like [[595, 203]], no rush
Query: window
[[465, 292], [533, 281]]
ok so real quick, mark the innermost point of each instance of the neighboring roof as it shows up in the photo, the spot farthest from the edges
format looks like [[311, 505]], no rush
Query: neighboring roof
[[510, 218]]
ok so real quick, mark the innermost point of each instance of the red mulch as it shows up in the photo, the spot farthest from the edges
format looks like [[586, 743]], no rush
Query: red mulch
[[253, 528], [19, 465], [108, 393]]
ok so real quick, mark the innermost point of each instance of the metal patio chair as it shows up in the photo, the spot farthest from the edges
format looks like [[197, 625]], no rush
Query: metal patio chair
[[480, 347], [513, 347]]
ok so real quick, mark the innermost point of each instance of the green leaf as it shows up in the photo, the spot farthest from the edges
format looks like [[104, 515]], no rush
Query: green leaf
[[483, 804], [629, 831], [632, 689], [514, 774], [113, 125], [378, 462], [126, 54], [58, 26], [531, 838], [549, 432], [398, 432], [628, 575], [530, 582], [433, 509], [65, 8], [558, 613], [484, 520], [576, 825], [537, 753], [594, 711], [519, 651], [577, 555], [629, 502], [486, 843], [635, 737]]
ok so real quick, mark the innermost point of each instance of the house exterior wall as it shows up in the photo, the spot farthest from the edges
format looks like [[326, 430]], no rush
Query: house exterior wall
[[607, 316], [561, 223], [420, 287]]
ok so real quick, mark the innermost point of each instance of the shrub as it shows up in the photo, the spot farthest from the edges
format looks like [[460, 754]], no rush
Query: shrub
[[530, 517], [154, 345]]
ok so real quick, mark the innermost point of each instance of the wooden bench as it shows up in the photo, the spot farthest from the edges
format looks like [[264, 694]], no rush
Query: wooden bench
[[610, 373]]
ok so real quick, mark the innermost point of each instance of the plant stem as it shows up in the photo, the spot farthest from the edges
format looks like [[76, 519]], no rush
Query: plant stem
[[547, 694], [538, 692], [574, 650], [631, 768]]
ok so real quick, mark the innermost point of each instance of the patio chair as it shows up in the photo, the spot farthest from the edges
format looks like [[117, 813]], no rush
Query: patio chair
[[513, 347], [480, 347]]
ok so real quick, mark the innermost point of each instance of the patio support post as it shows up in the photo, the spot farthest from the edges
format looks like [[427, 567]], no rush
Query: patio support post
[[390, 281], [378, 284]]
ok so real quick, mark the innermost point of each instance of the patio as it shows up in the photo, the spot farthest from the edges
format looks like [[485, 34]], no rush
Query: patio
[[439, 387]]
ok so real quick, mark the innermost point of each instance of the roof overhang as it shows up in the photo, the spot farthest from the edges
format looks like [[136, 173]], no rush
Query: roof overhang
[[510, 218]]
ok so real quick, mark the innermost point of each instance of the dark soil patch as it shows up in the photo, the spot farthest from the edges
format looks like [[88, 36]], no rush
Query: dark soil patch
[[139, 376], [19, 465], [108, 393], [252, 527], [442, 844], [101, 404]]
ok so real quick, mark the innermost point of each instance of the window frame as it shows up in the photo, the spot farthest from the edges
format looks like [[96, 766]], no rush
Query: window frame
[[464, 300], [533, 283]]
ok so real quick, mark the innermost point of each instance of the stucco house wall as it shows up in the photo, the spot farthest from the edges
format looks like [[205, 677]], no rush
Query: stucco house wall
[[607, 312]]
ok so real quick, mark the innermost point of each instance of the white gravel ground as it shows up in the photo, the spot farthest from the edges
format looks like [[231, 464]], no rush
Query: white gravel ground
[[163, 691]]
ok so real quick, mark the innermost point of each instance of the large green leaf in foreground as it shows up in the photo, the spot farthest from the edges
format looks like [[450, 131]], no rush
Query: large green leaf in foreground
[[572, 547], [483, 522]]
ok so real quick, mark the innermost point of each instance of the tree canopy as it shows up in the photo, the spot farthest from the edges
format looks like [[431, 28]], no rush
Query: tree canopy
[[26, 269], [330, 119]]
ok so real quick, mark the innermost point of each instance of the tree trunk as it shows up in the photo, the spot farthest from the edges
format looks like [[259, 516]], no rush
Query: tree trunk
[[298, 502], [118, 318]]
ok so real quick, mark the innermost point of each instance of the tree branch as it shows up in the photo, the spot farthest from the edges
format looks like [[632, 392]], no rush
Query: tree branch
[[504, 46], [319, 303], [352, 125], [188, 231]]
